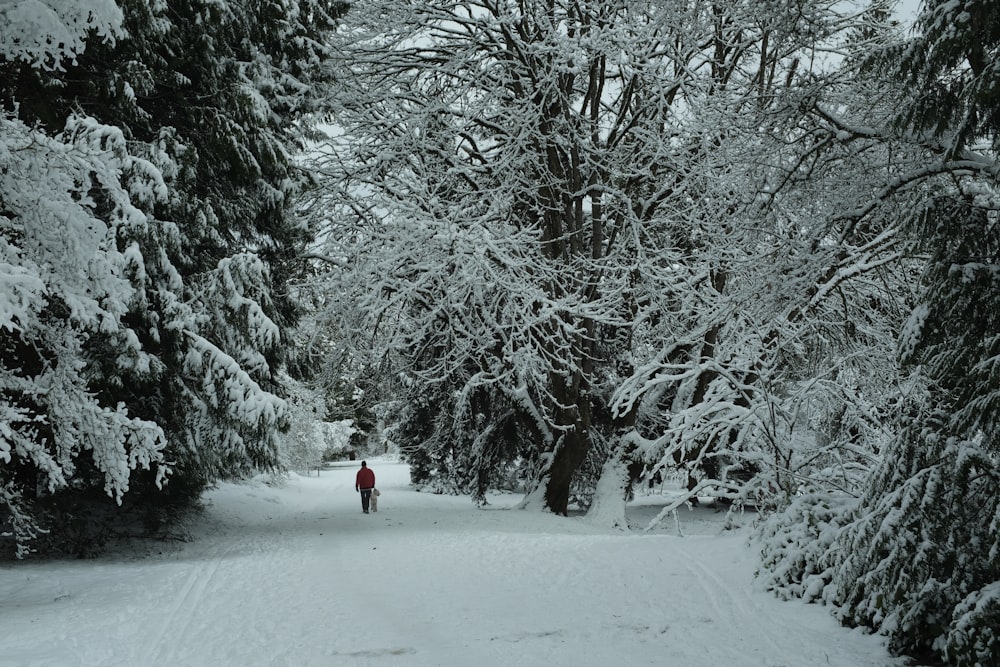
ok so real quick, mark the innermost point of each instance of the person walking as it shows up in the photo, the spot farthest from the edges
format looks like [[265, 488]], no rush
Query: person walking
[[364, 483]]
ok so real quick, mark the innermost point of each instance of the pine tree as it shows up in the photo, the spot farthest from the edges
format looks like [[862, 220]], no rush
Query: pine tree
[[206, 99], [948, 72], [921, 559], [64, 290]]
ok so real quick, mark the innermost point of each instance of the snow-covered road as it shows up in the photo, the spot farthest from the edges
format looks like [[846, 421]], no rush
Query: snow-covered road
[[298, 576]]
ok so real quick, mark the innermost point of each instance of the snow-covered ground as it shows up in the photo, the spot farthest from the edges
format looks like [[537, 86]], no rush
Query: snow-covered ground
[[297, 575]]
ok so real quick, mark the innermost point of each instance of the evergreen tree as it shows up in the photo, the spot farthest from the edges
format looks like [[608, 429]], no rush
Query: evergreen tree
[[923, 558], [207, 99], [64, 287], [919, 558], [949, 74]]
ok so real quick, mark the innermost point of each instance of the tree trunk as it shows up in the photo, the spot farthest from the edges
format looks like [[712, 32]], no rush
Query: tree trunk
[[573, 443], [608, 508], [569, 455]]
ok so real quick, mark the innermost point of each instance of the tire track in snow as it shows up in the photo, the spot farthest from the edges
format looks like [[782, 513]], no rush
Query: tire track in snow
[[732, 605], [186, 603]]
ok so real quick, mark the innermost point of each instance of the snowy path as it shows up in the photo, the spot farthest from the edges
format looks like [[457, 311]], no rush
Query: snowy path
[[299, 576]]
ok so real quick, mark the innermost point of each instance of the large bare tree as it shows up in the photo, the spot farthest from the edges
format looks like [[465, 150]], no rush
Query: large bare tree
[[532, 201]]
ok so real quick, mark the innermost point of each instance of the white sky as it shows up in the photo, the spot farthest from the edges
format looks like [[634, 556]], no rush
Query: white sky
[[906, 10]]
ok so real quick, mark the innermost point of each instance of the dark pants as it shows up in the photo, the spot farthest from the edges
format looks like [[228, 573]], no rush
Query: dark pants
[[366, 496]]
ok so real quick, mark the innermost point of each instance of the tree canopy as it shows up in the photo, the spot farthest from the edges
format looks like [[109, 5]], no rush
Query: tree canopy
[[147, 174], [588, 250]]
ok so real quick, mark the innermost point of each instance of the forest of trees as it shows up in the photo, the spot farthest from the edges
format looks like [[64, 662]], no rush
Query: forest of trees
[[547, 245]]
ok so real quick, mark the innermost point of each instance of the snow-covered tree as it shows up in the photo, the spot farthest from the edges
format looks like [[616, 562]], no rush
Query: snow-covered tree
[[48, 33], [538, 201], [923, 555], [200, 105], [219, 88], [490, 191], [917, 558], [63, 294], [303, 445]]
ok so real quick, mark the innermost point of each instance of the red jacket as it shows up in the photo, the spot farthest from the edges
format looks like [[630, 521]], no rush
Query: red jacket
[[365, 479]]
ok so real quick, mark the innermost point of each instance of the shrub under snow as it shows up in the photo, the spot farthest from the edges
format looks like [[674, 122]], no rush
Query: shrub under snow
[[918, 560]]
